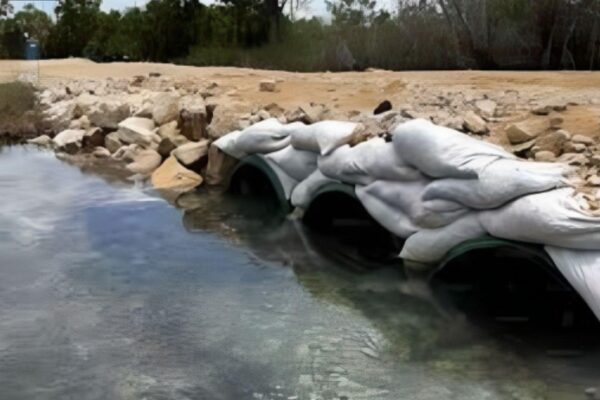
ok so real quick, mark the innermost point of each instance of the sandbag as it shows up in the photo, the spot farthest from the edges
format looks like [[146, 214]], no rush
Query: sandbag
[[366, 162], [305, 191], [322, 137], [441, 152], [553, 218], [499, 182], [298, 164], [406, 198], [582, 270], [287, 182], [227, 144], [263, 137], [429, 246]]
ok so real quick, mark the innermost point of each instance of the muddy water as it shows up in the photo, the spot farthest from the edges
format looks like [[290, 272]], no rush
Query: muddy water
[[110, 292]]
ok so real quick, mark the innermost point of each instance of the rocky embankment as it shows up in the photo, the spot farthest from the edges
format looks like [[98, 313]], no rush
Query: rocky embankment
[[159, 128]]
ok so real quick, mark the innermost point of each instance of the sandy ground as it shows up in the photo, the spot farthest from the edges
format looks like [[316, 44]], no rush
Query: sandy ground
[[350, 91]]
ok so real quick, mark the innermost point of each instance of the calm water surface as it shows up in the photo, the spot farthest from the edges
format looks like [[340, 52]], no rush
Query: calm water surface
[[110, 292]]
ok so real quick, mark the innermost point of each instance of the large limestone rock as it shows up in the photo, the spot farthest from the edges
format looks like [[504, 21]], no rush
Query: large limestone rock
[[193, 118], [219, 168], [145, 162], [165, 108], [58, 116], [69, 140], [103, 112], [173, 176], [137, 130], [127, 153], [553, 141], [192, 152], [225, 119]]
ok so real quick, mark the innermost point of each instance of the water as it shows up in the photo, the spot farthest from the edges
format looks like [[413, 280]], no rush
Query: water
[[110, 292]]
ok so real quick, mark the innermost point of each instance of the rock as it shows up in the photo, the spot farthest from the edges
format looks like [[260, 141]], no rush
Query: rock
[[145, 162], [168, 144], [59, 115], [274, 109], [189, 153], [522, 132], [312, 113], [225, 120], [593, 180], [127, 152], [263, 114], [93, 137], [384, 106], [112, 142], [168, 130], [154, 74], [571, 147], [595, 160], [267, 85], [556, 122], [573, 159], [137, 130], [193, 118], [474, 123], [542, 110], [82, 123], [101, 152], [219, 168], [165, 108], [588, 141], [103, 112], [545, 156], [43, 140], [173, 176], [457, 123], [69, 140], [486, 108], [145, 110], [520, 149], [552, 141]]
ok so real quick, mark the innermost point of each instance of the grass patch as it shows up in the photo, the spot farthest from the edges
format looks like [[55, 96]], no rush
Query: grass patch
[[19, 114]]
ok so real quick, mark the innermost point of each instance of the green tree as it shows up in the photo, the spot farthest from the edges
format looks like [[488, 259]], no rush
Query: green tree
[[75, 26]]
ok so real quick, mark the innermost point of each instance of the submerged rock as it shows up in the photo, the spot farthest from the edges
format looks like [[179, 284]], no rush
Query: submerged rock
[[69, 140], [145, 162], [43, 140]]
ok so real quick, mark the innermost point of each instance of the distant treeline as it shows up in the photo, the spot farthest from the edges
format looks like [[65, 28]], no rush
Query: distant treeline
[[418, 34]]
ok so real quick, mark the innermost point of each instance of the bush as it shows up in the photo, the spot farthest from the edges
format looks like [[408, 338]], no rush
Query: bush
[[19, 114]]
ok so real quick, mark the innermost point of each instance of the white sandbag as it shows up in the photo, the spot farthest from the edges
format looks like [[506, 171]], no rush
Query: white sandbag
[[431, 245], [287, 182], [366, 162], [322, 137], [305, 191], [552, 218], [582, 270], [263, 137], [227, 144], [405, 199], [391, 218], [441, 152], [498, 183], [298, 164]]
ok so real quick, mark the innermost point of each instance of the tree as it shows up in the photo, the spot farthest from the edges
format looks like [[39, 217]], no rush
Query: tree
[[76, 23], [35, 23], [5, 8]]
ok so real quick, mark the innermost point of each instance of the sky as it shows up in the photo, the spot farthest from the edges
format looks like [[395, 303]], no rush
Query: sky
[[316, 7]]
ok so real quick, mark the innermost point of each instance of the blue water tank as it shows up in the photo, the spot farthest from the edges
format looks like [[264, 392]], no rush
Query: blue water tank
[[32, 50]]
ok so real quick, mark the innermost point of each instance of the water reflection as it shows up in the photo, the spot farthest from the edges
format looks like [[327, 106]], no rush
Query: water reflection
[[105, 294]]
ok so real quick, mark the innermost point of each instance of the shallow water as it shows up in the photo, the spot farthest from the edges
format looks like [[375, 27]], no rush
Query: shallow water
[[110, 292]]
